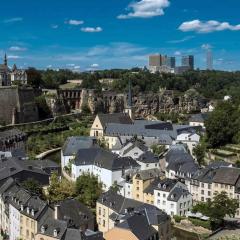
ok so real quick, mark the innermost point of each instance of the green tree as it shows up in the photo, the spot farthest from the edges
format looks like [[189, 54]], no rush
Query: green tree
[[115, 187], [60, 189], [33, 186], [218, 208], [199, 152], [222, 124], [88, 189], [34, 77]]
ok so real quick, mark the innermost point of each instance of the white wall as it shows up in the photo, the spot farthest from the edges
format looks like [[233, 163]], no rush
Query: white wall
[[147, 166], [14, 223]]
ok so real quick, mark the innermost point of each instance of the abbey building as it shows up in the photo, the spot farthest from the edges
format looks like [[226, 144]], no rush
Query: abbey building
[[11, 76]]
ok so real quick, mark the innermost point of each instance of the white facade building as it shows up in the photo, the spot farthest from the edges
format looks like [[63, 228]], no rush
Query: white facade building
[[172, 197]]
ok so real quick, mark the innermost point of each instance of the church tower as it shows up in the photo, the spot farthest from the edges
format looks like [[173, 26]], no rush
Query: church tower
[[5, 60], [129, 107]]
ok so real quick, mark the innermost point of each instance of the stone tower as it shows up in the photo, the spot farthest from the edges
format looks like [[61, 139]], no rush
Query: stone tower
[[5, 60], [129, 106]]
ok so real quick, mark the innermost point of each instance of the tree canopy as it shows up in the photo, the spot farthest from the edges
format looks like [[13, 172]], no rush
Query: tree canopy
[[217, 208], [88, 189], [223, 124]]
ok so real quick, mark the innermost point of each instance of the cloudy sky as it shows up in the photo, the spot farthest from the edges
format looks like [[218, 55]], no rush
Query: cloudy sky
[[99, 34]]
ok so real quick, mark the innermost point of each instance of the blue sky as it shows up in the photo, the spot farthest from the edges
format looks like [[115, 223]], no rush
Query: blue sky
[[99, 34]]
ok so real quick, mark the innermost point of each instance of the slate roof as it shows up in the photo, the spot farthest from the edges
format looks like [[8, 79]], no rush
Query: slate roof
[[50, 225], [73, 144], [179, 160], [138, 224], [201, 117], [164, 132], [148, 157], [36, 205], [177, 193], [117, 202], [21, 170], [121, 118], [149, 174], [131, 144], [104, 159], [74, 212], [227, 175]]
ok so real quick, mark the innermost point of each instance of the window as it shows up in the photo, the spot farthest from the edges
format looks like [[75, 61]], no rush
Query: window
[[164, 195], [202, 199], [164, 203], [137, 188], [158, 201], [99, 211], [202, 185], [32, 224], [104, 223], [137, 195], [104, 212], [159, 195], [209, 193], [172, 205], [209, 186], [147, 165], [202, 192]]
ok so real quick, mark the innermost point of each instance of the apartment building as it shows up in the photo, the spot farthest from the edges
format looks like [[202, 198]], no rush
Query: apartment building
[[215, 178], [114, 212]]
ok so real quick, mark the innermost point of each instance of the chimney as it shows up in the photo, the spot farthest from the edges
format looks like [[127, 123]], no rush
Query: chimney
[[56, 211]]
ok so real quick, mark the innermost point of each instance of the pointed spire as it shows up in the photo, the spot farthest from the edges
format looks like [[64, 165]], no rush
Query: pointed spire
[[5, 60], [130, 93]]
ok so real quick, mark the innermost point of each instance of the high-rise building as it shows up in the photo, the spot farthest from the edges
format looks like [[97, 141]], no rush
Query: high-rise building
[[188, 61], [155, 60], [161, 63], [171, 62], [209, 60]]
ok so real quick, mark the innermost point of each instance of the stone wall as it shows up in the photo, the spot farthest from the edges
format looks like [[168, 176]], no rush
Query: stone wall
[[17, 105]]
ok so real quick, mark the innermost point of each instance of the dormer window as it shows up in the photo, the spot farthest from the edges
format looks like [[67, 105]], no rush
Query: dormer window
[[32, 212], [43, 229], [164, 186], [28, 210], [55, 232], [21, 207]]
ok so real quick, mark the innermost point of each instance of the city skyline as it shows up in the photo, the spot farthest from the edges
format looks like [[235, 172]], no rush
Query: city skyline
[[90, 35]]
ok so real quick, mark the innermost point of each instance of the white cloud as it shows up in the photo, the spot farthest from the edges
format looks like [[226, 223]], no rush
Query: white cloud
[[91, 29], [177, 53], [74, 22], [70, 65], [207, 26], [95, 65], [145, 9], [182, 40], [14, 57], [12, 20], [17, 49], [54, 26], [206, 46]]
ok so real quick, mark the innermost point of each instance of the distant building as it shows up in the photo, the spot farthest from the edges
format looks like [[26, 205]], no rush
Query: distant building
[[171, 62], [161, 63], [188, 61], [11, 76]]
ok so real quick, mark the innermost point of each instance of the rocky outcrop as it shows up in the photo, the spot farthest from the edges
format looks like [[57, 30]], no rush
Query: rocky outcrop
[[145, 104]]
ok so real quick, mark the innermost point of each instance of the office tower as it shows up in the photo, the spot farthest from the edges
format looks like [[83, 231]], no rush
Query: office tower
[[155, 60], [188, 61], [209, 60], [171, 62]]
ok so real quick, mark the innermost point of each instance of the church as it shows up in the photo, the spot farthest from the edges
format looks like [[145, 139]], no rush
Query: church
[[12, 76]]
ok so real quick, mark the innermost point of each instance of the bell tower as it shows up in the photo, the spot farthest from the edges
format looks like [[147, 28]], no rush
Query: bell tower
[[5, 60], [129, 106]]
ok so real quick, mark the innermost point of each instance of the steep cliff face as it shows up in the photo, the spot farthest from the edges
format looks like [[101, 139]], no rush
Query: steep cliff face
[[144, 104]]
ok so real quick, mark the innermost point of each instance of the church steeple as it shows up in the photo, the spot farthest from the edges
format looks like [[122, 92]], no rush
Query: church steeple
[[5, 60], [130, 93]]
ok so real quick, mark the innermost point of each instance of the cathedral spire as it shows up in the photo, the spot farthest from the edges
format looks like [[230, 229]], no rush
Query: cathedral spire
[[130, 93], [5, 60]]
